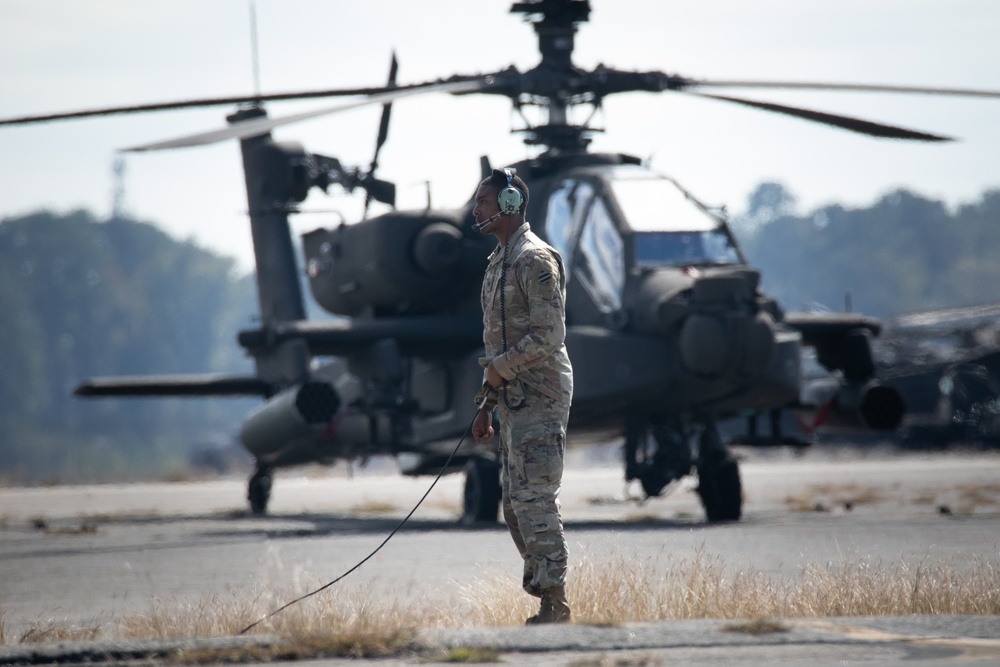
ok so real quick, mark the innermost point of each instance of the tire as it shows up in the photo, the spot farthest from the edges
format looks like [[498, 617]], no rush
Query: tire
[[259, 492], [481, 500], [720, 489]]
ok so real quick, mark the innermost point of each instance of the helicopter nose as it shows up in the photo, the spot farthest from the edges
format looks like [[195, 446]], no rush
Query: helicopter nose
[[721, 327], [724, 333], [714, 344]]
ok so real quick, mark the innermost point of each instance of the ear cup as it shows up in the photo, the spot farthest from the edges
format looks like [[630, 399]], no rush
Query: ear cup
[[510, 198], [510, 201]]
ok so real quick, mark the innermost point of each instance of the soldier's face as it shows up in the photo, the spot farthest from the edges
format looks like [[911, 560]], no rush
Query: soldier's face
[[486, 207]]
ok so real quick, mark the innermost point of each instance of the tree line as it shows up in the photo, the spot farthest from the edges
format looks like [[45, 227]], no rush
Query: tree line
[[82, 298], [904, 253]]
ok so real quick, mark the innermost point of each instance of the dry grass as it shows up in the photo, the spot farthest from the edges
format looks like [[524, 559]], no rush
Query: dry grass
[[629, 590], [467, 654], [823, 497], [356, 615], [961, 499], [618, 661], [443, 504], [53, 631], [357, 622], [756, 626], [369, 507], [972, 496]]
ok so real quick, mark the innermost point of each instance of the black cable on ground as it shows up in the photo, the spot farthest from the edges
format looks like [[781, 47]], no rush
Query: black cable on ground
[[378, 548]]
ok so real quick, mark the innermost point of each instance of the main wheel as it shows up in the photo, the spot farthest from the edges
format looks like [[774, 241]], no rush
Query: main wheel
[[481, 500], [259, 491], [720, 488]]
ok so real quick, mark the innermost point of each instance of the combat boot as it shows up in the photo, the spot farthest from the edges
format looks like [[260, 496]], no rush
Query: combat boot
[[554, 607]]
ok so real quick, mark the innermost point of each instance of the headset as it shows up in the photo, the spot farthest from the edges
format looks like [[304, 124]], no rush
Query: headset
[[510, 199]]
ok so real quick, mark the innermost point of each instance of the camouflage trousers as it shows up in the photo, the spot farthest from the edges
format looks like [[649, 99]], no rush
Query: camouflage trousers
[[532, 444]]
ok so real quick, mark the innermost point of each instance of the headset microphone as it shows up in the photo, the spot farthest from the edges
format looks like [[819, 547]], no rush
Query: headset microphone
[[480, 225]]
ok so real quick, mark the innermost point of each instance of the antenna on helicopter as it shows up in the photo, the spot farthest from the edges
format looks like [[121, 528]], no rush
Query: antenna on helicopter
[[253, 49]]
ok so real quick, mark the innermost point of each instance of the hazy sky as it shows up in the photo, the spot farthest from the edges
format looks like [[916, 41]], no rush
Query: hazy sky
[[58, 55]]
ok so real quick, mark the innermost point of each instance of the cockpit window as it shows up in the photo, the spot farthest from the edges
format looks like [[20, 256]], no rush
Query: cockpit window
[[567, 205], [684, 248], [652, 203], [670, 228], [601, 265]]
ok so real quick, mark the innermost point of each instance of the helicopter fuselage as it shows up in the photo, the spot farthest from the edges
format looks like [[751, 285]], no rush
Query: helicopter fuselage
[[663, 314]]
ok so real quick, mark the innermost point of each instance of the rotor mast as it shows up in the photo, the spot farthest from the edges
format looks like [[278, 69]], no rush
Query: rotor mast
[[556, 83], [556, 32]]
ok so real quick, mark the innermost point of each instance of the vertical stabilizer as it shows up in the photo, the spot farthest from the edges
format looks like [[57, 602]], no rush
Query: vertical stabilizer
[[276, 178]]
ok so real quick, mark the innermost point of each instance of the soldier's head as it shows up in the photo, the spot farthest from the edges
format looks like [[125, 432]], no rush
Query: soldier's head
[[500, 202]]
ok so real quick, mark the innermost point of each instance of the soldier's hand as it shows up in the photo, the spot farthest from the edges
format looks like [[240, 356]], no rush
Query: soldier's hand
[[482, 426]]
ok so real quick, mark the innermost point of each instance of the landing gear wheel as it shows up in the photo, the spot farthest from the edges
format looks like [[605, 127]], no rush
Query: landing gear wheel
[[720, 488], [259, 491], [481, 501]]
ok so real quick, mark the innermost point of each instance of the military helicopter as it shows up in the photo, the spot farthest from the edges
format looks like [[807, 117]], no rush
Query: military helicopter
[[668, 329]]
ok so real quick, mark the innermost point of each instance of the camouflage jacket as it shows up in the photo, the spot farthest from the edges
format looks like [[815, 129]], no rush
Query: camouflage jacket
[[534, 307]]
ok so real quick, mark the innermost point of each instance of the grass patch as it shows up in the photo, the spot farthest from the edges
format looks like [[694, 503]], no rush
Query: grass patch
[[303, 648], [44, 632], [756, 626], [961, 499], [632, 590], [442, 504], [470, 654], [823, 497], [971, 496], [642, 517], [617, 661], [356, 622], [374, 507], [85, 527]]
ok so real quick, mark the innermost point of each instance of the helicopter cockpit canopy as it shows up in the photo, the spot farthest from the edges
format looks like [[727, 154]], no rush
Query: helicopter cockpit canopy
[[669, 227], [663, 224], [608, 221]]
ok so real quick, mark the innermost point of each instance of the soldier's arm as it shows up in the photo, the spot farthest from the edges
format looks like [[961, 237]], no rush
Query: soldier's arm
[[541, 281]]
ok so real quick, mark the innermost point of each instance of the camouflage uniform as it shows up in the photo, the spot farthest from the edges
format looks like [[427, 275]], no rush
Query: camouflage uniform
[[534, 403]]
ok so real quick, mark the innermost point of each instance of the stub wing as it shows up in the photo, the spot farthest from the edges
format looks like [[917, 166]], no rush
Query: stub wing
[[842, 341], [173, 385], [428, 335], [820, 328]]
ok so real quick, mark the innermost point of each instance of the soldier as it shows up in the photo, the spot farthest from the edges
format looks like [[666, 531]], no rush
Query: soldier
[[529, 381]]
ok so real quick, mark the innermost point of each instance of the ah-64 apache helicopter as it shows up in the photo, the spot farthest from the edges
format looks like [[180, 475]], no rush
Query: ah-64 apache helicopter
[[667, 327]]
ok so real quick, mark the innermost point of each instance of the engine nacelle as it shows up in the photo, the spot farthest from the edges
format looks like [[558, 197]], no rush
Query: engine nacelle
[[398, 263], [833, 403]]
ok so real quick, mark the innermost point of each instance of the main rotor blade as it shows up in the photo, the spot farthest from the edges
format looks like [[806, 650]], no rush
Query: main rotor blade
[[685, 83], [263, 125], [205, 102], [845, 122]]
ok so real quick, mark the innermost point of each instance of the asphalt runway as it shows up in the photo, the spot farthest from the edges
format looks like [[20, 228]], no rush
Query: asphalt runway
[[89, 555]]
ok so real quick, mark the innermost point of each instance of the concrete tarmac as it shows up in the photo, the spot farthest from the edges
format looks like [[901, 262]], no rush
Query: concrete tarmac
[[90, 556]]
